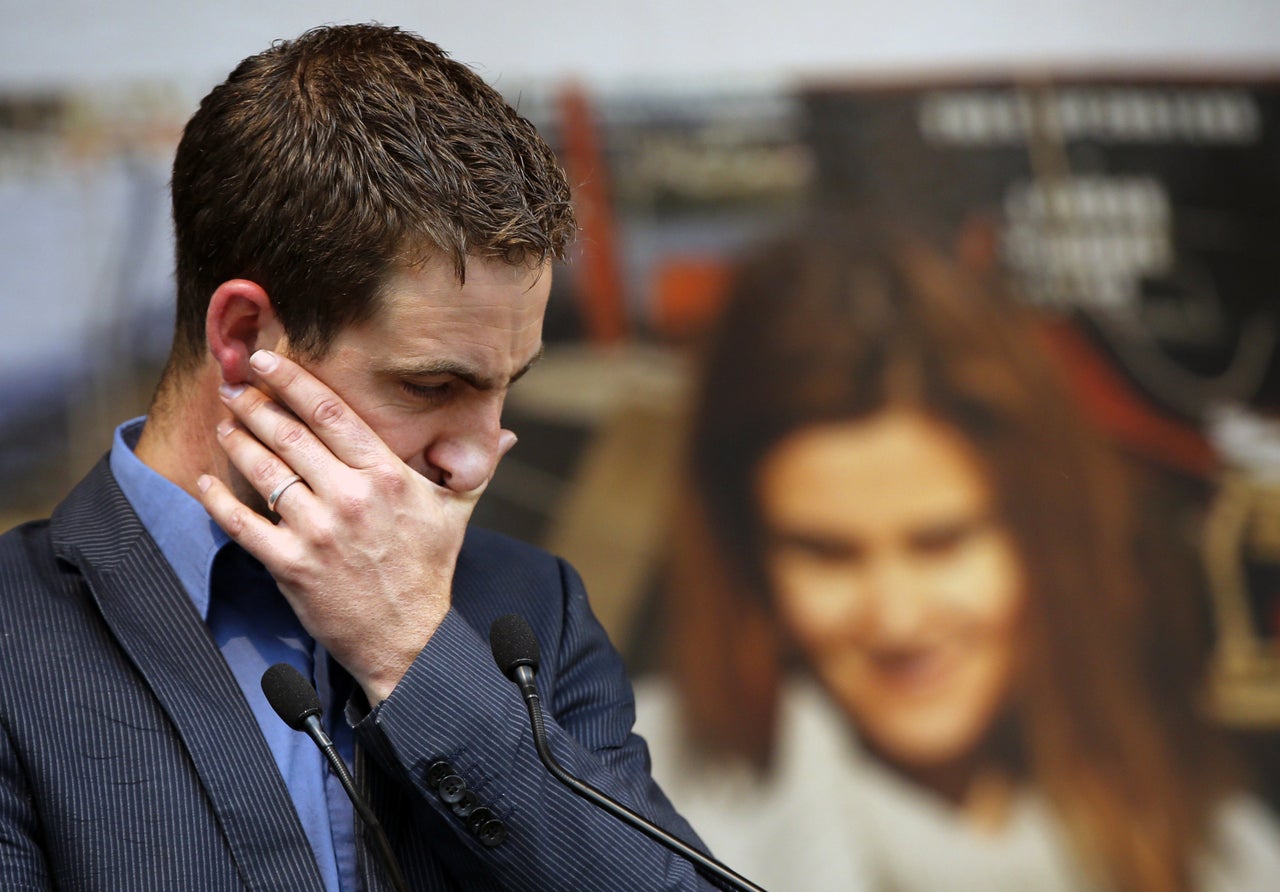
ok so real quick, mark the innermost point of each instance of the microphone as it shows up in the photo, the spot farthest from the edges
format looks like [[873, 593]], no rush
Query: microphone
[[298, 705], [515, 650]]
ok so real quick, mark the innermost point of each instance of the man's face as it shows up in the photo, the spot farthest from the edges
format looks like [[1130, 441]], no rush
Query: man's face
[[430, 371]]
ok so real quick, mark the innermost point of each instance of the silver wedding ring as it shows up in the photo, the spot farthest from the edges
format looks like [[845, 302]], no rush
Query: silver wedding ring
[[279, 491]]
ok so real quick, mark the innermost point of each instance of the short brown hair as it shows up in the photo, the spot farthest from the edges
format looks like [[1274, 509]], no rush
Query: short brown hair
[[322, 161]]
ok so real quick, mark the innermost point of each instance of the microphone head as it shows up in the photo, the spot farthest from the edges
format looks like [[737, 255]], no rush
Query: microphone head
[[290, 695], [513, 644]]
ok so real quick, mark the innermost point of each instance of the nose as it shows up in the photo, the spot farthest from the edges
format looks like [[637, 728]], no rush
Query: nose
[[895, 600], [466, 449]]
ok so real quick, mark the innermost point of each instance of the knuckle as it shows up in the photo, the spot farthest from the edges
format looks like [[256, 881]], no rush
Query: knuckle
[[236, 522], [388, 478], [290, 433], [323, 534], [352, 505], [287, 373], [257, 404], [263, 468], [328, 412]]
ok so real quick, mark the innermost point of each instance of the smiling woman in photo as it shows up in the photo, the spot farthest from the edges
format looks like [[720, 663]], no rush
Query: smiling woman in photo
[[912, 647]]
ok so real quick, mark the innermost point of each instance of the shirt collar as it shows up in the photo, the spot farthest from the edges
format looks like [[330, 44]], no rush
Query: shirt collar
[[186, 534]]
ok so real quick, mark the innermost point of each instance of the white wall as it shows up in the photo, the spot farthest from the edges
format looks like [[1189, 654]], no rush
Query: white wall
[[608, 42]]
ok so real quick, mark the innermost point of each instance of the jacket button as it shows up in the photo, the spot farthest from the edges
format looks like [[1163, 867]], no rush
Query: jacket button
[[452, 788], [492, 833], [466, 805], [478, 818], [438, 772]]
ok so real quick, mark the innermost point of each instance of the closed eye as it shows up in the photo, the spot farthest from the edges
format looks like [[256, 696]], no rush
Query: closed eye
[[433, 392], [947, 538], [816, 547]]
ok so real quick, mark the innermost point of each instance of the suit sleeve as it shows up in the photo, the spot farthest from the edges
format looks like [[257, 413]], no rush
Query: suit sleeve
[[455, 716], [22, 863]]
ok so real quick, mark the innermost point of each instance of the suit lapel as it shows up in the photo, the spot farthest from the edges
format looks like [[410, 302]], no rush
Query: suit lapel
[[157, 626]]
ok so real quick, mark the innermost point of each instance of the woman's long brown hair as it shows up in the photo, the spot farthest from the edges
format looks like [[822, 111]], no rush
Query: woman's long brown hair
[[839, 324]]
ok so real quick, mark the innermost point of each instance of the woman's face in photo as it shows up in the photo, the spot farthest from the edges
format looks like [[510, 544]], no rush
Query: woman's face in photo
[[897, 578]]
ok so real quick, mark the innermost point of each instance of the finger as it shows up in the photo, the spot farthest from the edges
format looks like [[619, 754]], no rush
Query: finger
[[323, 412], [263, 431], [246, 527], [266, 472], [273, 499]]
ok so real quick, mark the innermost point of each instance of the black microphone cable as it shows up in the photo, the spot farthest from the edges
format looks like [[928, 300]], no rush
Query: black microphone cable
[[515, 650], [298, 705]]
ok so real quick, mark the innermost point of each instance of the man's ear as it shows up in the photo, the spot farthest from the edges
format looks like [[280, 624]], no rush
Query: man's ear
[[240, 320]]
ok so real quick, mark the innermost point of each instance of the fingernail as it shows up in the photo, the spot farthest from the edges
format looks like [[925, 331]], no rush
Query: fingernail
[[263, 360], [204, 482], [225, 427], [230, 391]]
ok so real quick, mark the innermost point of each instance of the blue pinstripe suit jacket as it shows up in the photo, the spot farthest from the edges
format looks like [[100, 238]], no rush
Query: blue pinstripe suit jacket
[[130, 760]]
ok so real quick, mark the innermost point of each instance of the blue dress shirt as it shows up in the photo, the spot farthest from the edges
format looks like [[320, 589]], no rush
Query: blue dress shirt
[[254, 627]]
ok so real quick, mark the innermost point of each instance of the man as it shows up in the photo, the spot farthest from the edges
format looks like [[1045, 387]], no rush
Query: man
[[364, 232]]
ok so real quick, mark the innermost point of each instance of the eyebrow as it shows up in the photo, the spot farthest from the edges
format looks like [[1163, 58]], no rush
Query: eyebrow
[[464, 373]]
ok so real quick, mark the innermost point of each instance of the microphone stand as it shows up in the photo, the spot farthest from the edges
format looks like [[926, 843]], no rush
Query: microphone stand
[[316, 732], [298, 705], [523, 676]]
